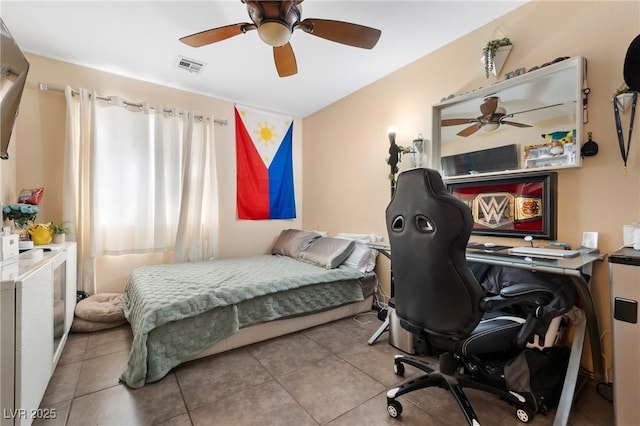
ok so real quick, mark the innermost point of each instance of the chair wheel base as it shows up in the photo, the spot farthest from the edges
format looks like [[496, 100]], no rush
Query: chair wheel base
[[398, 368], [394, 408], [525, 414]]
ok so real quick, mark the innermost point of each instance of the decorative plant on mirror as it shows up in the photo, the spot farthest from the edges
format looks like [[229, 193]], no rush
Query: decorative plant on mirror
[[489, 55], [624, 97]]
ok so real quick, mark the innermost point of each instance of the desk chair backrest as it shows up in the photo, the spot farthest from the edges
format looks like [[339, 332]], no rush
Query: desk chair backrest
[[435, 291]]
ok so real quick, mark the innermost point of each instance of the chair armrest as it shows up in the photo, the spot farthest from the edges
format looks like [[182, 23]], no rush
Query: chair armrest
[[520, 294], [521, 289], [517, 294], [525, 331]]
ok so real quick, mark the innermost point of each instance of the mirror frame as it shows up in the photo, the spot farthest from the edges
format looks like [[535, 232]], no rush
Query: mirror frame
[[575, 65], [13, 76]]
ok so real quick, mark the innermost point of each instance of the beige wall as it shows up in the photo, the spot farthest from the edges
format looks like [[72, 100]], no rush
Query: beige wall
[[39, 141], [345, 145]]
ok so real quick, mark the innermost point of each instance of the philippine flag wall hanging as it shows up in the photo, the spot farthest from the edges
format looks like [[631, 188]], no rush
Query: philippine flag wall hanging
[[264, 160]]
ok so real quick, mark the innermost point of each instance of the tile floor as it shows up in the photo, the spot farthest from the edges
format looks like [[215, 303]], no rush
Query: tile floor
[[326, 375]]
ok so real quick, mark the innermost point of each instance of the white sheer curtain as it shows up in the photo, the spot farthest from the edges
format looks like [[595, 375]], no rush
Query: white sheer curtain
[[76, 199], [122, 181], [138, 180], [197, 236]]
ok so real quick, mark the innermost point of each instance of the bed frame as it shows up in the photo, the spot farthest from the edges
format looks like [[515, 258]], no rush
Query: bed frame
[[154, 355], [268, 330]]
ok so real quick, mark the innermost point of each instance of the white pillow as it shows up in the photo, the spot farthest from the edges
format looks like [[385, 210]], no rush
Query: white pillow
[[364, 238], [363, 258]]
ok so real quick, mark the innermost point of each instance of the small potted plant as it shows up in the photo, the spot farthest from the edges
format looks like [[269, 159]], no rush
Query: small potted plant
[[623, 97], [60, 230], [489, 54]]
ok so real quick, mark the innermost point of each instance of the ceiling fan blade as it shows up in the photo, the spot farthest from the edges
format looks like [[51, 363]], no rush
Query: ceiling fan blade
[[533, 109], [513, 123], [285, 60], [456, 121], [342, 32], [216, 34], [489, 106], [469, 130]]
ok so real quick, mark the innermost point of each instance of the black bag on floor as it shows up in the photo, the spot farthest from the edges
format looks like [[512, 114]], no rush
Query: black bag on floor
[[538, 375]]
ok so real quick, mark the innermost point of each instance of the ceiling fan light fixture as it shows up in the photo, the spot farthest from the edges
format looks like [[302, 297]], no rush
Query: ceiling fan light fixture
[[490, 126], [274, 33]]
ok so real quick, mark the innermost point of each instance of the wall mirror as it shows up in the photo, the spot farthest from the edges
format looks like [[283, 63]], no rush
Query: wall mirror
[[529, 122]]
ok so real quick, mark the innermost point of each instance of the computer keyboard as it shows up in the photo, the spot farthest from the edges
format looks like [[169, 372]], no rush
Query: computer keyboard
[[547, 252]]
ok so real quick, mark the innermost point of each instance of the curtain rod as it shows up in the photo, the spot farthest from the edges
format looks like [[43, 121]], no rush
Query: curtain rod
[[46, 87]]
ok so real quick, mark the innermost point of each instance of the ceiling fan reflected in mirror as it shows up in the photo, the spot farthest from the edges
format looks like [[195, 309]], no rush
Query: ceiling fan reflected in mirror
[[275, 21], [493, 116]]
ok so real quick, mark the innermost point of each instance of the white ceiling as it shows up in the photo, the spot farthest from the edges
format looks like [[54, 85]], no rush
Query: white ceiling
[[140, 40]]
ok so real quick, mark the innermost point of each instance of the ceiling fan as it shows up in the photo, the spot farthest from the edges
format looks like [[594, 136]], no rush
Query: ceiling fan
[[276, 21], [492, 117]]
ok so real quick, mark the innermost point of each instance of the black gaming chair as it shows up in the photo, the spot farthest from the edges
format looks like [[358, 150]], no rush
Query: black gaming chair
[[438, 298]]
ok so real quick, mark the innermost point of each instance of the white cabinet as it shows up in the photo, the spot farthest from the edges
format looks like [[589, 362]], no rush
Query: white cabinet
[[34, 343], [36, 310], [71, 284], [624, 279]]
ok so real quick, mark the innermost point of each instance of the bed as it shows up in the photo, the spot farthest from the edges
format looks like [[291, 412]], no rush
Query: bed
[[179, 312]]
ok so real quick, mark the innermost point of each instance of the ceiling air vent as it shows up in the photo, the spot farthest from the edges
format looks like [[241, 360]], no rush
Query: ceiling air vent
[[190, 65]]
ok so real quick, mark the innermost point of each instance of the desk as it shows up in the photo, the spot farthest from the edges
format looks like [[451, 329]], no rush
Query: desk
[[575, 268]]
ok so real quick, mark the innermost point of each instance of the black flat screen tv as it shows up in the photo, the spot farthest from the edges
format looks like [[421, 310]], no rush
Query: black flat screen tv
[[12, 81], [482, 161]]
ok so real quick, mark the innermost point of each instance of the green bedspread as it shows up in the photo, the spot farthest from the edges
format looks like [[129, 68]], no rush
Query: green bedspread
[[177, 310]]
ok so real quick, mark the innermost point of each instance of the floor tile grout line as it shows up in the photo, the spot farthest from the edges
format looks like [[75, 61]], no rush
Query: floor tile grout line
[[339, 358], [67, 345], [97, 390], [85, 358], [296, 401], [275, 378], [184, 401], [75, 387]]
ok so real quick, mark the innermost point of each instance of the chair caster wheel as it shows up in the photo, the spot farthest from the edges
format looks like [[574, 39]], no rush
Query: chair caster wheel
[[398, 368], [394, 408], [525, 414]]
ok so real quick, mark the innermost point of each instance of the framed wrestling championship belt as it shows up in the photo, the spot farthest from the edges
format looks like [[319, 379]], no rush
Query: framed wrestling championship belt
[[511, 206]]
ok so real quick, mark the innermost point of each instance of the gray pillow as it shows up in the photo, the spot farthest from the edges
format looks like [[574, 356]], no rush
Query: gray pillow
[[328, 252], [292, 241]]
